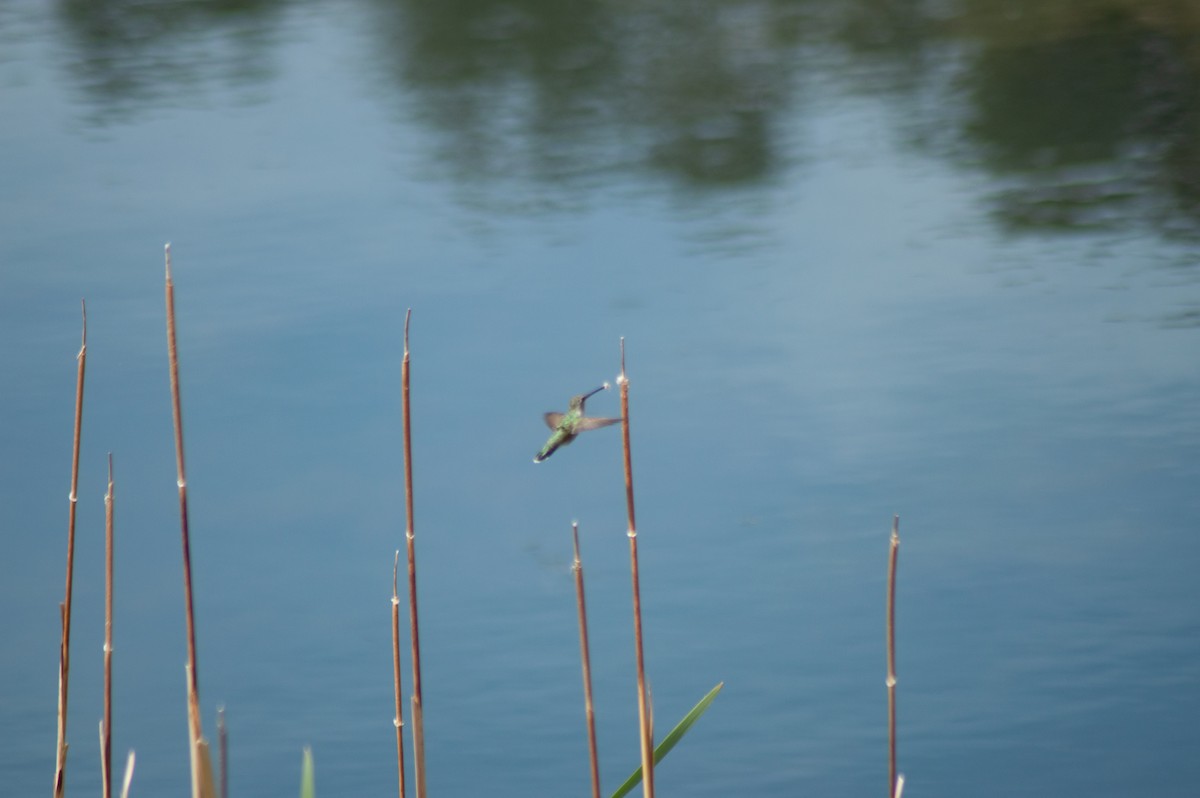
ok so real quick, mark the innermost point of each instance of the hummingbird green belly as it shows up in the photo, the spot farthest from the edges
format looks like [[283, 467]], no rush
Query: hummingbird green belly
[[566, 426]]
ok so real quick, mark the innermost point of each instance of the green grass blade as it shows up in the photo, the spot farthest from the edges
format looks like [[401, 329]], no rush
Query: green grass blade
[[671, 739], [308, 787]]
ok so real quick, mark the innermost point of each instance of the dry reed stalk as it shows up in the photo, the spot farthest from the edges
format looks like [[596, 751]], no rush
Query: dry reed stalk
[[222, 752], [644, 711], [64, 647], [585, 656], [398, 720], [202, 786], [894, 787], [418, 723], [106, 724]]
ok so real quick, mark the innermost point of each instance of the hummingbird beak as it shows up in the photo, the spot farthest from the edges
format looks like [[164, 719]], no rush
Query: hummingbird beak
[[591, 393]]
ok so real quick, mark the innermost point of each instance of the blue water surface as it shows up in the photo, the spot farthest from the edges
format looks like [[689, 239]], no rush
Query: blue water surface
[[866, 260]]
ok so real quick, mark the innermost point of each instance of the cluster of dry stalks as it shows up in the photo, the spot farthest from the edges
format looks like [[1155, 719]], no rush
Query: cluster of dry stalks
[[205, 785]]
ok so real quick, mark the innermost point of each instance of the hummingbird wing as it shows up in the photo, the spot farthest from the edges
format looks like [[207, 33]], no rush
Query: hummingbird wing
[[552, 419], [596, 423]]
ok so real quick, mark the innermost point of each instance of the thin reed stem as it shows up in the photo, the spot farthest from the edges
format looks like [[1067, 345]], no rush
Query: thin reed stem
[[201, 763], [418, 722], [644, 711], [585, 657], [398, 720], [129, 762], [893, 786], [64, 647], [106, 735], [222, 752]]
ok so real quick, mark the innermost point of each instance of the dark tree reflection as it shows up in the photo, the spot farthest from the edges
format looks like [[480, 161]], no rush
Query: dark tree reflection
[[130, 55], [1084, 113], [571, 89], [1095, 123]]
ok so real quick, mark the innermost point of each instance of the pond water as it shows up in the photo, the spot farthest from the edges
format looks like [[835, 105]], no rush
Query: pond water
[[933, 259]]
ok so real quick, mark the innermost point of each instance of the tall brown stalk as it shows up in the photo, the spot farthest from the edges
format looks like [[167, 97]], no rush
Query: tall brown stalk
[[893, 786], [585, 656], [409, 536], [222, 753], [644, 711], [398, 720], [202, 781], [106, 724], [64, 646]]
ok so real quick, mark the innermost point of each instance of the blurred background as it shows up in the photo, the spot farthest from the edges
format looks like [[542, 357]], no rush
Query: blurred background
[[927, 257]]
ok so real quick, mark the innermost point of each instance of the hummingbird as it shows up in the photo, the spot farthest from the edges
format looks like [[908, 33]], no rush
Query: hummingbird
[[569, 424]]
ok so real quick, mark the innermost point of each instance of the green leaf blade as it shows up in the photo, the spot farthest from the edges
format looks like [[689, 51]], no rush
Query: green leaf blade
[[308, 788], [673, 737]]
